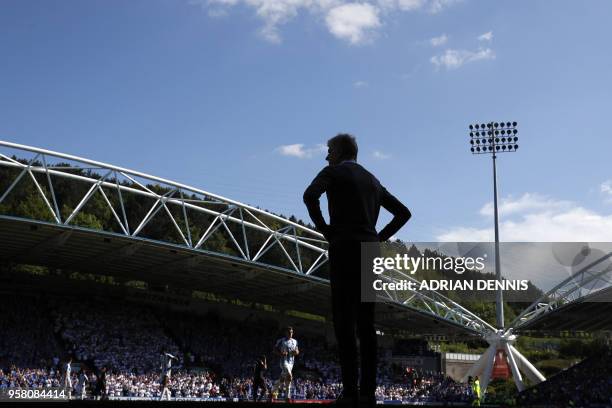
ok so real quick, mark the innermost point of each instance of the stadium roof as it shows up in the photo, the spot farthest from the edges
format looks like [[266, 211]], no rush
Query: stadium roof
[[588, 313], [581, 302], [181, 236], [103, 253]]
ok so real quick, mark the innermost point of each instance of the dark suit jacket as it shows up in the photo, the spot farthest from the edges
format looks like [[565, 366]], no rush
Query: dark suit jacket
[[354, 199]]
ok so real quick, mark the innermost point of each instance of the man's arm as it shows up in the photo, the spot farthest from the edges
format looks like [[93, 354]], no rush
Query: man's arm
[[311, 198], [401, 215]]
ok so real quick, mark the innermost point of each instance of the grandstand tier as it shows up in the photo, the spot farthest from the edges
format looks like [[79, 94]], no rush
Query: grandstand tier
[[215, 355]]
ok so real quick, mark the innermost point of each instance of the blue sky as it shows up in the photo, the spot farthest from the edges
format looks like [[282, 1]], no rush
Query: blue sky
[[235, 96]]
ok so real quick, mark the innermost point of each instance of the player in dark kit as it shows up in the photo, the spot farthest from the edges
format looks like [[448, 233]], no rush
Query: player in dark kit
[[259, 379], [100, 389]]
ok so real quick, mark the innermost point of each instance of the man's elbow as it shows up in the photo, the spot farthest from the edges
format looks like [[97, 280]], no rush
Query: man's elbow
[[309, 198], [405, 215]]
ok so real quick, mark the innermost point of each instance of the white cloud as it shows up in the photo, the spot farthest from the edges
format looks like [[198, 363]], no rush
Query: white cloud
[[466, 234], [431, 6], [438, 41], [380, 155], [404, 5], [453, 59], [606, 189], [488, 36], [354, 22], [436, 6], [528, 202], [275, 13], [300, 151], [360, 84], [536, 218]]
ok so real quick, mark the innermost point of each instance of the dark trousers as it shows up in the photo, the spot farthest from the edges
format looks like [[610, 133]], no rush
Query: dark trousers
[[258, 383], [352, 318]]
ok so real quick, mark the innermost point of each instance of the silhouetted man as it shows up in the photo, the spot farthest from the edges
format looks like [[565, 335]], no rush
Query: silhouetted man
[[354, 199]]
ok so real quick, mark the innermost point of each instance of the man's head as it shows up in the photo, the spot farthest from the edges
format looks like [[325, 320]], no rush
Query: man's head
[[289, 332], [341, 147]]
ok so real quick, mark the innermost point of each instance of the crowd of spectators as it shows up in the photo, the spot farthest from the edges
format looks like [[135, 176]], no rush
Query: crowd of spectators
[[216, 357], [26, 333], [15, 377], [125, 338], [223, 345], [588, 383], [428, 387], [182, 385]]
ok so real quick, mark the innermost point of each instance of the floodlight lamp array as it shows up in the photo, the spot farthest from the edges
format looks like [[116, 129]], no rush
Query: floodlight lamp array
[[493, 137]]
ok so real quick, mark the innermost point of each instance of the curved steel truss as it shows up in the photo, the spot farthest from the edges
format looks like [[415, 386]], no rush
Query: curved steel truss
[[433, 303], [250, 232], [179, 202], [591, 279]]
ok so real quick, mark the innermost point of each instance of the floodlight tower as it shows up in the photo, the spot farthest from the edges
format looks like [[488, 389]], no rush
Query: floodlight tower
[[493, 138]]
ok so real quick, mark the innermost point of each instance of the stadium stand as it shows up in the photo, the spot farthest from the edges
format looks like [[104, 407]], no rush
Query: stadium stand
[[215, 355], [588, 383], [27, 336]]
